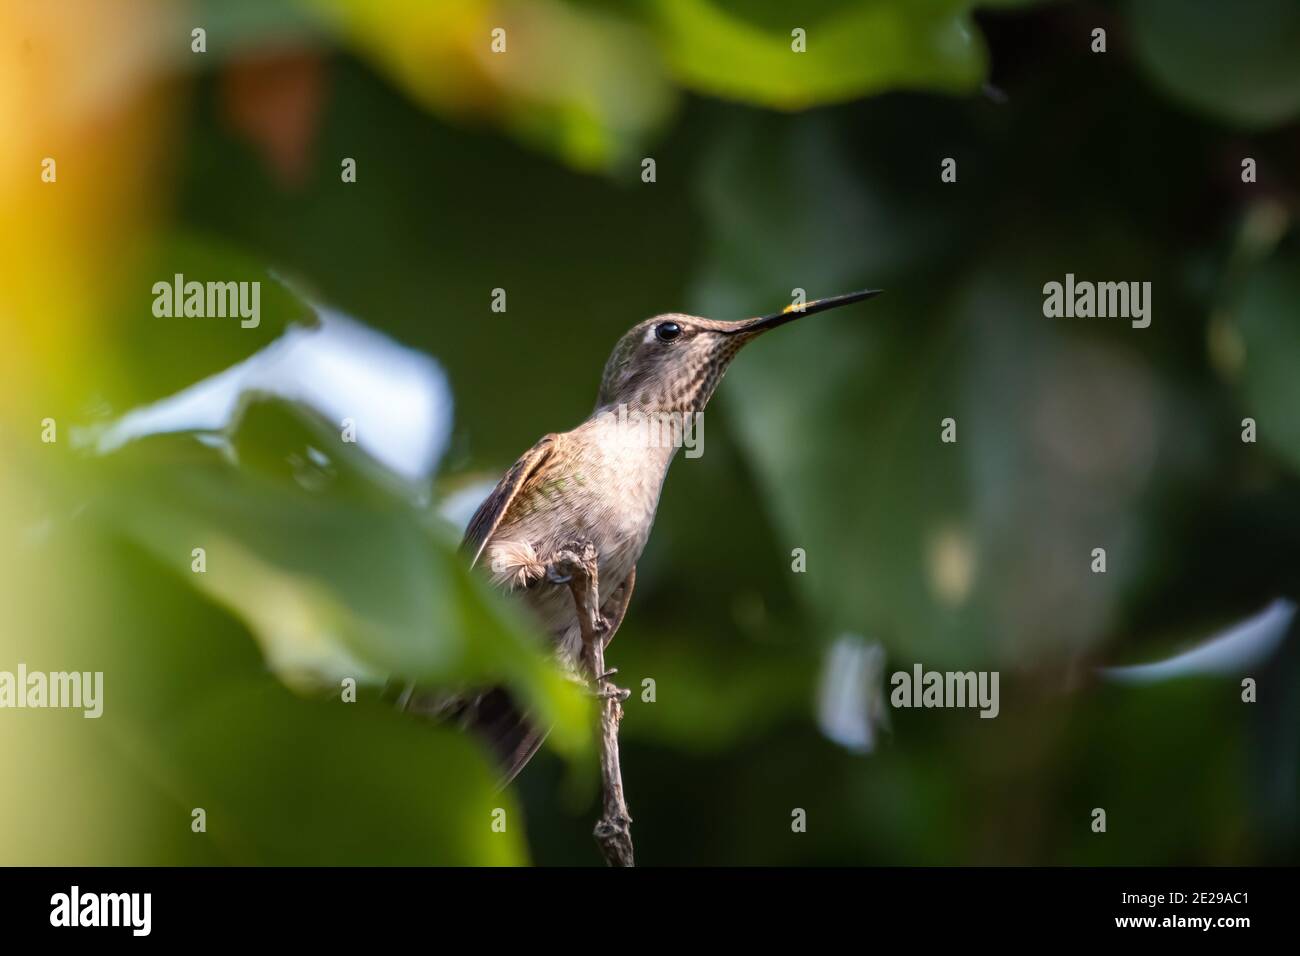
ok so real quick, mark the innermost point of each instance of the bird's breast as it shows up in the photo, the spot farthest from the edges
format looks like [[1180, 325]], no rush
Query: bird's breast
[[602, 486]]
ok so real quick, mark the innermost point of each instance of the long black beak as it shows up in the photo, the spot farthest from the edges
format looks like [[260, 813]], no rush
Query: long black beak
[[792, 312]]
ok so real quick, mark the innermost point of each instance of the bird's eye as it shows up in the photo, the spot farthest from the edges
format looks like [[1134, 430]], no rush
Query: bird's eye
[[667, 331]]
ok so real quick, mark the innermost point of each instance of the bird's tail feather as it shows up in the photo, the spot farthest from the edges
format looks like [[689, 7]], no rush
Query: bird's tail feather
[[491, 714]]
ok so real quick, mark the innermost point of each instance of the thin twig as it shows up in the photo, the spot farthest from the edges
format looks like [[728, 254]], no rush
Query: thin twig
[[577, 567]]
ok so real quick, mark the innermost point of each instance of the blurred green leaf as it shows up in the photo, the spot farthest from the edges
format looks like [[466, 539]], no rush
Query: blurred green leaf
[[1213, 56], [741, 49], [577, 81], [334, 575], [191, 719], [158, 355], [283, 780], [1270, 382], [242, 27]]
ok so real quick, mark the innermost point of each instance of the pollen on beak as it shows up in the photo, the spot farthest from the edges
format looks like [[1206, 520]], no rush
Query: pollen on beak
[[794, 311]]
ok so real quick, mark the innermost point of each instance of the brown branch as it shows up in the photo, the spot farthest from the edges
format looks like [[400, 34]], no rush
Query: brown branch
[[577, 568]]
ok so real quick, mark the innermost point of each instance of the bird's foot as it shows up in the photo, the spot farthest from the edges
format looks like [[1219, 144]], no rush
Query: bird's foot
[[577, 558], [605, 690]]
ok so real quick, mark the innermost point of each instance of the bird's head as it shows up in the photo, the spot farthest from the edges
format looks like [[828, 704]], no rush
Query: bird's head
[[673, 362]]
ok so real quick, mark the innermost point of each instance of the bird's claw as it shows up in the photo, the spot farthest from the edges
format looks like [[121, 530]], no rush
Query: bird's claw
[[607, 691]]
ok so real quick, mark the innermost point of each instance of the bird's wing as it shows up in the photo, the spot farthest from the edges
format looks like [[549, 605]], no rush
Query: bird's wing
[[493, 713], [493, 509]]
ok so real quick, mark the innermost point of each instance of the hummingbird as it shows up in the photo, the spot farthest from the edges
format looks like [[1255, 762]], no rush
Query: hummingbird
[[599, 482]]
